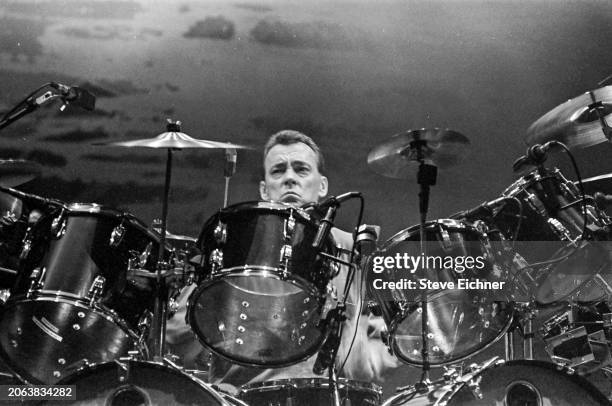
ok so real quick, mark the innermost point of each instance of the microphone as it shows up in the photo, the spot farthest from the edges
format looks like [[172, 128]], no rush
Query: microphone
[[231, 157], [75, 95], [332, 205], [485, 209], [337, 200], [536, 155], [326, 354]]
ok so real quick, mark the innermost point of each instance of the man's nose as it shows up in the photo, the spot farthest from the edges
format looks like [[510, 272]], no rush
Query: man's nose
[[290, 177]]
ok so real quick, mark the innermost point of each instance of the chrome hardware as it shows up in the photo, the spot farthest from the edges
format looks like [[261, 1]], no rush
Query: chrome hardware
[[117, 235], [96, 289], [138, 260], [58, 225], [474, 387], [144, 256], [285, 257], [27, 247], [144, 323], [289, 226], [37, 279], [216, 260], [560, 229], [220, 233], [447, 244]]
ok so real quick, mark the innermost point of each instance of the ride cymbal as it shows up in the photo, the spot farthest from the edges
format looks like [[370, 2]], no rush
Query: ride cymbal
[[398, 157]]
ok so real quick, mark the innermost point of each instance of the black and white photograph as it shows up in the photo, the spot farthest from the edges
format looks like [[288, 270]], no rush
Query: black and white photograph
[[297, 203]]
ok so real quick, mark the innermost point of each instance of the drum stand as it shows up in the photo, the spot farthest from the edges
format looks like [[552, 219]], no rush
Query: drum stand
[[426, 177], [524, 324], [158, 324]]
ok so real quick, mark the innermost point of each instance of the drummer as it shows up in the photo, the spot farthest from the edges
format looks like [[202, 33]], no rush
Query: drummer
[[293, 174]]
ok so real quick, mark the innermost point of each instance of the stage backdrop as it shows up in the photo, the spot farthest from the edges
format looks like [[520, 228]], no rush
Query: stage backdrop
[[348, 73]]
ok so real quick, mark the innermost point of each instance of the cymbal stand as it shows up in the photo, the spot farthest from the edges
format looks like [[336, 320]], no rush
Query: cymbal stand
[[597, 106], [158, 324], [231, 157], [426, 177]]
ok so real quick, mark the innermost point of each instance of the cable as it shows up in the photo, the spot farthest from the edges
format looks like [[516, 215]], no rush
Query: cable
[[583, 234], [360, 294], [25, 100]]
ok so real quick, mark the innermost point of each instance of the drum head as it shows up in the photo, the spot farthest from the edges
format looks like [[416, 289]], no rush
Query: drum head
[[256, 321], [136, 383], [515, 383], [461, 321]]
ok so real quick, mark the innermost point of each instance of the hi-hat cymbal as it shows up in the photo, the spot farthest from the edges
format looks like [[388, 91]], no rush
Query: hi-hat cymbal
[[14, 172], [575, 122], [173, 139], [396, 157]]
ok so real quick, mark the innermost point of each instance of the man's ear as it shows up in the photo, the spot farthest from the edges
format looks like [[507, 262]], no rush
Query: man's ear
[[263, 191], [323, 187]]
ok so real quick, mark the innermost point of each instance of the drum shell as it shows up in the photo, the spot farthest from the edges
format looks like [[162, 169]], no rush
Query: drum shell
[[489, 313], [255, 233], [78, 302], [309, 391], [261, 304]]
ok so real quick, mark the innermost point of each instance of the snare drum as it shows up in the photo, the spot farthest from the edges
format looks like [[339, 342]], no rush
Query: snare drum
[[461, 321], [310, 391], [83, 301], [262, 285], [552, 223], [515, 383], [140, 383]]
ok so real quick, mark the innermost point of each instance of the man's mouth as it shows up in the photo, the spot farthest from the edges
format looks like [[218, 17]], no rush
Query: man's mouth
[[291, 197]]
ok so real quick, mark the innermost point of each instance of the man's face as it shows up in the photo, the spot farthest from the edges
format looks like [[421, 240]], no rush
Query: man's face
[[292, 176]]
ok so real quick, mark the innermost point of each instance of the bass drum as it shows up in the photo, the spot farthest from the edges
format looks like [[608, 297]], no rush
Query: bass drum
[[140, 383], [515, 383]]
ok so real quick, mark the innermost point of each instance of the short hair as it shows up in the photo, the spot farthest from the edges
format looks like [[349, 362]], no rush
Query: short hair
[[288, 137]]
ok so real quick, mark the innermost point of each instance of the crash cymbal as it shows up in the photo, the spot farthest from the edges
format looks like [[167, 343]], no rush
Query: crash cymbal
[[14, 172], [396, 157], [575, 122], [173, 139]]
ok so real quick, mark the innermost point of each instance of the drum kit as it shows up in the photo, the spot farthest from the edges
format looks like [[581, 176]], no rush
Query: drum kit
[[88, 288]]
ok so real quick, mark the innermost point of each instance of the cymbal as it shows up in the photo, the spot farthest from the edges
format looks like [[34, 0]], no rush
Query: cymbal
[[575, 122], [177, 237], [599, 183], [396, 158], [14, 172], [173, 139]]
